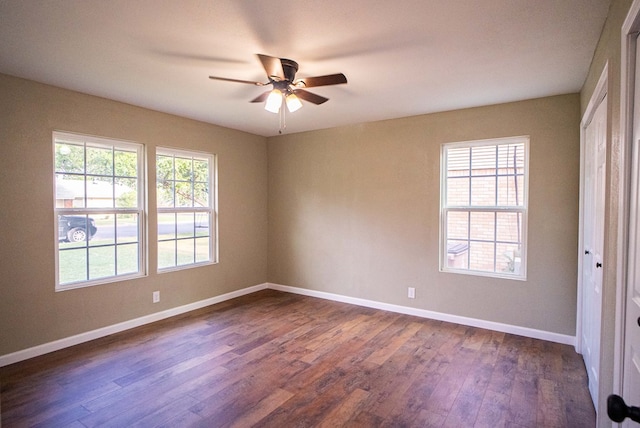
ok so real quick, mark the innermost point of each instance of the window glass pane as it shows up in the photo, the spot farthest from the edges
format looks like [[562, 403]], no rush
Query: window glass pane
[[183, 169], [70, 191], [103, 229], [186, 251], [125, 163], [166, 226], [458, 225], [164, 167], [69, 157], [482, 226], [510, 191], [457, 254], [202, 250], [100, 193], [483, 160], [508, 258], [166, 254], [127, 259], [458, 161], [75, 230], [201, 195], [509, 227], [165, 193], [184, 194], [127, 228], [186, 225], [99, 161], [200, 171], [126, 193], [521, 190], [102, 262], [481, 256], [510, 155], [202, 224], [458, 191], [72, 266], [483, 191]]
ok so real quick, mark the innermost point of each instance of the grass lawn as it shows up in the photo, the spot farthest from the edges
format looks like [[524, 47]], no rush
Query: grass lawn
[[100, 259]]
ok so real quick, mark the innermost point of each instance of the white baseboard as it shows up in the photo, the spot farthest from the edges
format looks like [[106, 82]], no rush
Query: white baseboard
[[45, 348], [423, 313]]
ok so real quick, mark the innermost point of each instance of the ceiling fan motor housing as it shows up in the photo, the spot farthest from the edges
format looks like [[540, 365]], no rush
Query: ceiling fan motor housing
[[289, 67]]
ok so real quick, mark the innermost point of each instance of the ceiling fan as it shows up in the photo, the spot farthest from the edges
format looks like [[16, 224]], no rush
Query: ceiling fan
[[281, 73]]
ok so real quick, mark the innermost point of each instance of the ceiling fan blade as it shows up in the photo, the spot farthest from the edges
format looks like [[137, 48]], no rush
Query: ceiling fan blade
[[331, 79], [272, 66], [310, 96], [261, 98], [236, 80]]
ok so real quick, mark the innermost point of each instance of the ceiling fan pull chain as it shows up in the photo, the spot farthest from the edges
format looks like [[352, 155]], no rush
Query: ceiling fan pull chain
[[283, 120]]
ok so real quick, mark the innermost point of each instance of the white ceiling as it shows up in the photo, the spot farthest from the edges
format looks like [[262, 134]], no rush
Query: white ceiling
[[402, 58]]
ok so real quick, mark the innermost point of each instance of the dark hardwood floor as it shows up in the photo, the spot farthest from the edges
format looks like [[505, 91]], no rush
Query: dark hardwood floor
[[275, 359]]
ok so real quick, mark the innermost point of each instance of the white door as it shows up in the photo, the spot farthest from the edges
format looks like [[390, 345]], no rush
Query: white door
[[593, 239]]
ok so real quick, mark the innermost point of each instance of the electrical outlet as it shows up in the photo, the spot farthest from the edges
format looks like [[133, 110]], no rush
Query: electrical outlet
[[156, 296], [412, 293]]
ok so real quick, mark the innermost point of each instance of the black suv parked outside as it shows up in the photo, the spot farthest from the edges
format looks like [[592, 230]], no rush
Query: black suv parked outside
[[73, 228]]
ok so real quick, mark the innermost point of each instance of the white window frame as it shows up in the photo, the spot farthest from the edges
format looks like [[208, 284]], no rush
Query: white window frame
[[86, 140], [211, 209], [522, 209]]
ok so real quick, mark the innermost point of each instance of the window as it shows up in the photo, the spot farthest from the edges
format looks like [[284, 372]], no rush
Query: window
[[185, 183], [484, 207], [98, 204]]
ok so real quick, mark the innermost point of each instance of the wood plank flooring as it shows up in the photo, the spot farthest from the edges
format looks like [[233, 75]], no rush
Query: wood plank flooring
[[273, 359]]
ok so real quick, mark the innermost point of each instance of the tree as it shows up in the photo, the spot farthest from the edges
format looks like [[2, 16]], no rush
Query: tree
[[95, 160], [184, 178]]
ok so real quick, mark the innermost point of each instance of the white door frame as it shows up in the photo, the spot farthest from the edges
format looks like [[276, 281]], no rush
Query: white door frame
[[597, 98], [630, 30], [598, 95]]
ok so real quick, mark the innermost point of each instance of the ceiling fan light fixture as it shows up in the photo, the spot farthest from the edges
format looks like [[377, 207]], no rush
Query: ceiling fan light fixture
[[293, 102], [274, 101]]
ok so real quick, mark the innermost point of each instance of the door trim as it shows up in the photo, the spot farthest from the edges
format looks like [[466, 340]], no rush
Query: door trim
[[598, 95], [628, 201]]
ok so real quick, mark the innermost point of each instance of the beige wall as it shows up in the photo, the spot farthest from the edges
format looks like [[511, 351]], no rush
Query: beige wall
[[355, 211], [31, 313], [608, 52], [351, 210]]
